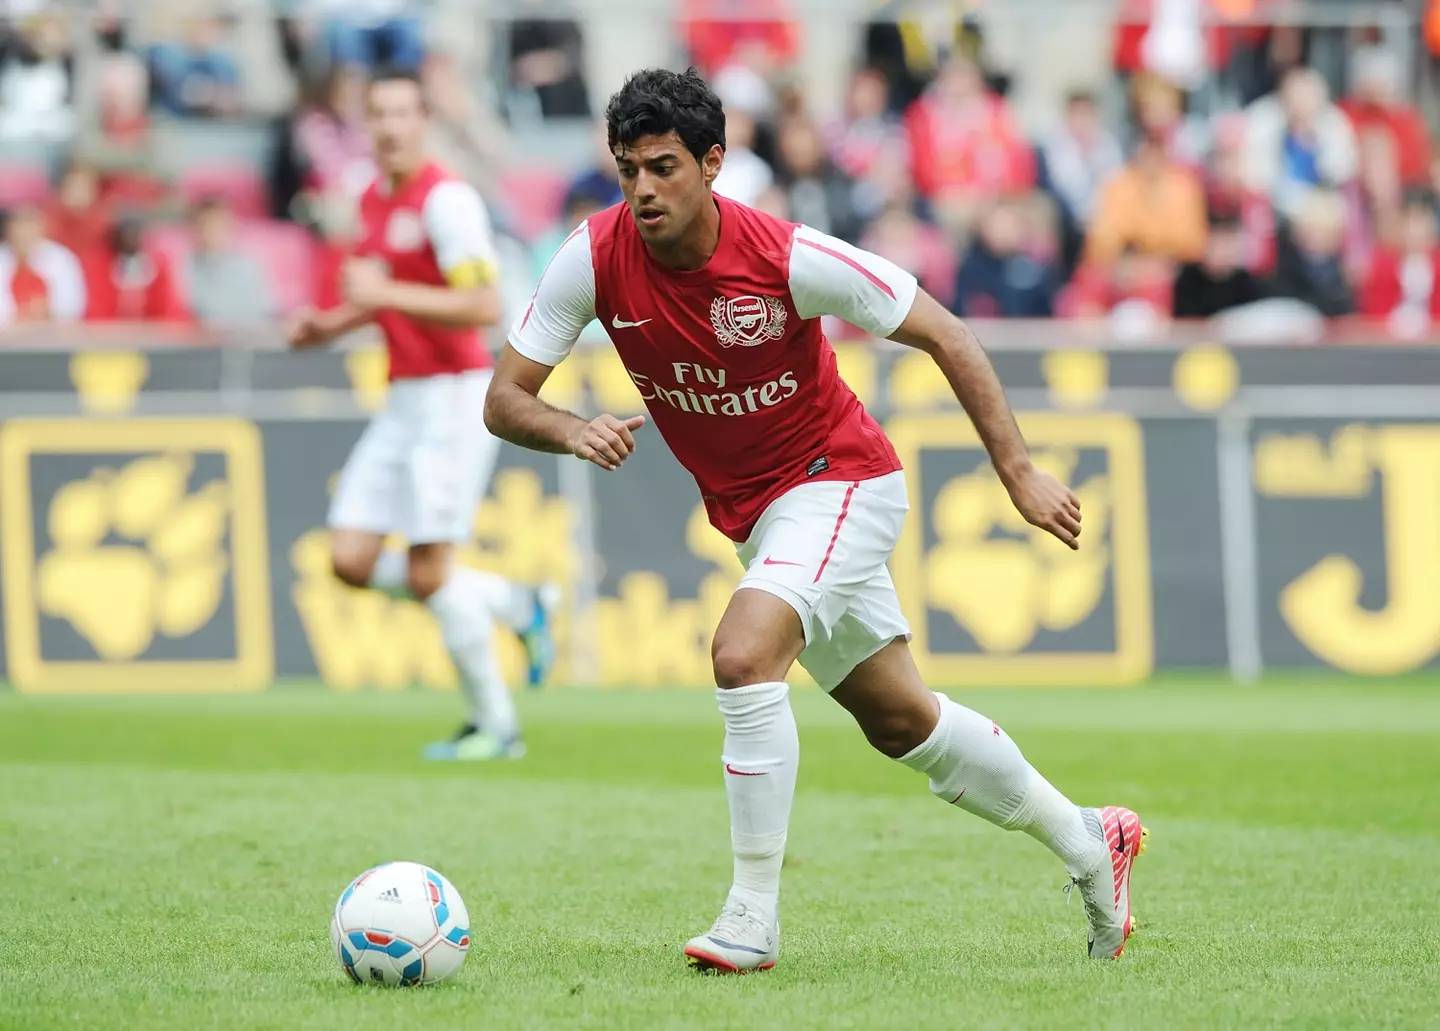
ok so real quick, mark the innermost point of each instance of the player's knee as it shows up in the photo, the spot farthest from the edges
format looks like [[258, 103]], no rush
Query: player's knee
[[739, 664], [895, 733], [351, 567], [425, 578]]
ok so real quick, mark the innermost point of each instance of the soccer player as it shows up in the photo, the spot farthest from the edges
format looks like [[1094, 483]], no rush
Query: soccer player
[[425, 273], [715, 310]]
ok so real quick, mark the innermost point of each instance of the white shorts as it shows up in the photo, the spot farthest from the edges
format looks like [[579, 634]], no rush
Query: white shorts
[[822, 548], [423, 464]]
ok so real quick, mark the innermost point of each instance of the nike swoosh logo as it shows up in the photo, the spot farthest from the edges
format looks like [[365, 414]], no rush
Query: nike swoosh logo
[[778, 562], [741, 773], [1120, 830], [620, 323]]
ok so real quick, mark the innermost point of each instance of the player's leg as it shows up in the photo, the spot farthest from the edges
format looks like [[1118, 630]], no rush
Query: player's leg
[[973, 764], [754, 647], [366, 508], [449, 468]]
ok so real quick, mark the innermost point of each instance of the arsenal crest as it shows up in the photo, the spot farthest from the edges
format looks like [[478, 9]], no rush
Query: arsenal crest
[[747, 321]]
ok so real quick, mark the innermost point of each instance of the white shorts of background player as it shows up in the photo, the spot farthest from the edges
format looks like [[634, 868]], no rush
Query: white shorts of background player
[[423, 464]]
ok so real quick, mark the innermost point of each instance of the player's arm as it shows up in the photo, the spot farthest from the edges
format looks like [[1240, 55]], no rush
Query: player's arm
[[310, 328], [458, 228], [830, 277], [563, 305]]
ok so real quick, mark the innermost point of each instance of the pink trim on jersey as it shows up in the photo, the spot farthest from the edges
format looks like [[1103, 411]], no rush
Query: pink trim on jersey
[[531, 310], [844, 511], [851, 262]]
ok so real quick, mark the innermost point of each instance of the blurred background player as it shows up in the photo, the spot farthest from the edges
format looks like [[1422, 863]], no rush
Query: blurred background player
[[715, 310], [425, 272]]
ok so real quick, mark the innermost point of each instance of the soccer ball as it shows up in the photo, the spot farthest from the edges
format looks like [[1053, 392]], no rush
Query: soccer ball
[[400, 924]]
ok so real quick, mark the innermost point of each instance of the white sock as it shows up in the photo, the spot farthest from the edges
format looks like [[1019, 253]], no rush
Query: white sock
[[973, 764], [761, 758], [391, 574], [508, 602], [468, 629]]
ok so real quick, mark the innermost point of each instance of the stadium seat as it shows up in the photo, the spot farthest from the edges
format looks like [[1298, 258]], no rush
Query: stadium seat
[[22, 184], [285, 250], [239, 184], [533, 194]]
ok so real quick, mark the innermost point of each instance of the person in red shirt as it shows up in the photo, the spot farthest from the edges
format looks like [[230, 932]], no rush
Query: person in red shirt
[[714, 308], [425, 272], [131, 282], [1403, 286]]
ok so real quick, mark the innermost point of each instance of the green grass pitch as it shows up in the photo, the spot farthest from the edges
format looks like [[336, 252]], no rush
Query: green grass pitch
[[172, 864]]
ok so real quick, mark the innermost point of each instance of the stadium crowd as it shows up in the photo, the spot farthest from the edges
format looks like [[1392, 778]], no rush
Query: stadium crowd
[[1211, 170]]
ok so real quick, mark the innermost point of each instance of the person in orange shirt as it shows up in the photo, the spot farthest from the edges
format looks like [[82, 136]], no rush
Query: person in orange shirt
[[1152, 206]]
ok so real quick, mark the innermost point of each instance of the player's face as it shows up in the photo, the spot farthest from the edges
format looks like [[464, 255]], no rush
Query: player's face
[[398, 124], [664, 185]]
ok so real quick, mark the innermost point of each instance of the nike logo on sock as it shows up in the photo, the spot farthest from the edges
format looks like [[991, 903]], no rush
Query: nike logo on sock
[[741, 773], [620, 323]]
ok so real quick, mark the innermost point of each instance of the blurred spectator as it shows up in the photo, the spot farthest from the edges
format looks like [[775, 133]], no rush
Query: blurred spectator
[[77, 217], [194, 76], [1403, 286], [35, 82], [40, 280], [1375, 106], [1296, 141], [1310, 265], [744, 175], [1152, 205], [580, 203], [722, 32], [817, 193], [1160, 111], [337, 220], [227, 286], [1075, 161], [867, 128], [132, 281], [547, 67], [774, 203], [369, 32], [1230, 199], [600, 179], [917, 247], [1220, 281], [1080, 156], [465, 136], [999, 276], [1135, 293], [120, 143], [965, 145], [331, 140]]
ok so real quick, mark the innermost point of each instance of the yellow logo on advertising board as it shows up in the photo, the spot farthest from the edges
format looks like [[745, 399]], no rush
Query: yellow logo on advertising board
[[992, 599], [1322, 606], [135, 555]]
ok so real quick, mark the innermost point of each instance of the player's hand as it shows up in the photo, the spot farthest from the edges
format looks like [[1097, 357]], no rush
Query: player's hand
[[606, 440], [304, 329], [363, 282], [1047, 503]]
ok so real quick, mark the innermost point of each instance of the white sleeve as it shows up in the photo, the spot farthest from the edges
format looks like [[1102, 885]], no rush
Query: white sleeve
[[459, 229], [65, 279], [563, 304], [830, 277]]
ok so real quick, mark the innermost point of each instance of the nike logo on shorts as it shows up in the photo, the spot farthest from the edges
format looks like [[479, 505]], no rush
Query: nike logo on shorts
[[780, 562], [620, 323]]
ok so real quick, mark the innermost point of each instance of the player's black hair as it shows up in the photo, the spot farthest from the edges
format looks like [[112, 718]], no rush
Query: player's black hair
[[655, 101]]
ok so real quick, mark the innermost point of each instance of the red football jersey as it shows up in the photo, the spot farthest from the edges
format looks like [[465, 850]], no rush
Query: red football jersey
[[731, 359], [433, 230]]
